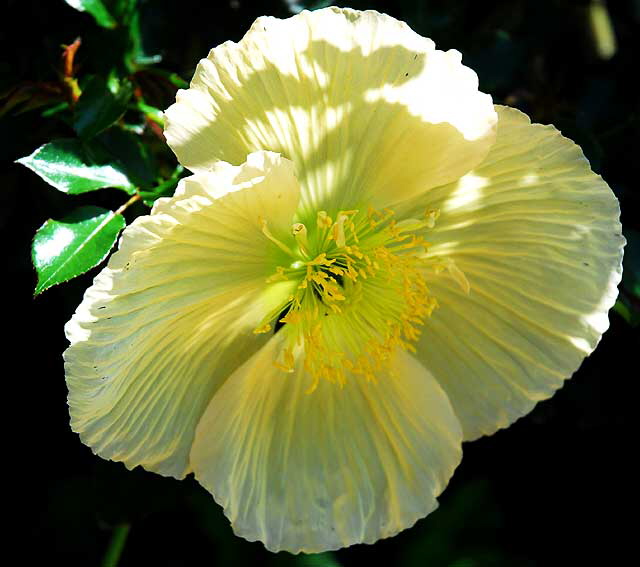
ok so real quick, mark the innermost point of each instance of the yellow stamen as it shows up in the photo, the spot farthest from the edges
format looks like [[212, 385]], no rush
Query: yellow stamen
[[337, 231], [279, 276], [431, 216], [299, 232], [265, 328], [324, 221], [265, 230], [362, 297]]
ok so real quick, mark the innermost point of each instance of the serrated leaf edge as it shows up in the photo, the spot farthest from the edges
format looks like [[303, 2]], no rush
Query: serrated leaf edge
[[42, 286]]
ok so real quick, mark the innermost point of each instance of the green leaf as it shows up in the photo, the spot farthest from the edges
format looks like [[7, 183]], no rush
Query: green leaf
[[131, 156], [97, 9], [625, 311], [74, 167], [151, 112], [295, 7], [124, 10], [164, 189], [100, 105], [175, 79], [65, 249], [325, 559], [53, 110]]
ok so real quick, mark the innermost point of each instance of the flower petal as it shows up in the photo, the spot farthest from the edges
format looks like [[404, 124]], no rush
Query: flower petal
[[537, 236], [171, 316], [312, 472], [369, 111]]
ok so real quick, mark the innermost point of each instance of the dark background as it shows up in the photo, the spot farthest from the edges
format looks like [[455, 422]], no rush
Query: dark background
[[554, 488]]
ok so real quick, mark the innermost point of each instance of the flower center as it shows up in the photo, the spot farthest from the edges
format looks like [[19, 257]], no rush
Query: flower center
[[359, 293]]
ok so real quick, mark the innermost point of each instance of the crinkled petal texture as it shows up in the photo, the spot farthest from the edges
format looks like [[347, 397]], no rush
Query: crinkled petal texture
[[313, 472], [171, 315], [369, 111], [537, 235]]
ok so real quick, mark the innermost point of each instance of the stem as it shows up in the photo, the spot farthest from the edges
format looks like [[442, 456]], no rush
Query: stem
[[151, 112], [130, 202], [68, 55], [175, 79], [155, 128], [116, 545]]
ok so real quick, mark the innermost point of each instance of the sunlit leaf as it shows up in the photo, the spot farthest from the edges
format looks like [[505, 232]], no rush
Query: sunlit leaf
[[65, 249], [100, 105], [97, 9], [73, 167]]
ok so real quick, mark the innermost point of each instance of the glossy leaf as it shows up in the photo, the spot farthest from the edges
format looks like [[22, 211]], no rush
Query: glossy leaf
[[65, 249], [73, 167], [100, 105], [130, 154], [97, 9]]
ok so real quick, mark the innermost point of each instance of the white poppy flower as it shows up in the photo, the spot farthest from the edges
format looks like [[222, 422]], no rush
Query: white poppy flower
[[369, 265]]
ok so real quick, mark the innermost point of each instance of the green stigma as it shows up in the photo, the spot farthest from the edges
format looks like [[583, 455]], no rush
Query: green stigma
[[360, 293]]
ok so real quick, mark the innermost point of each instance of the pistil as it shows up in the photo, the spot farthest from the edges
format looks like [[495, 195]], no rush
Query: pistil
[[360, 294]]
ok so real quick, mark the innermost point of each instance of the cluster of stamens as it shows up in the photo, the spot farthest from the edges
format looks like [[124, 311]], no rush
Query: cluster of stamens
[[360, 293]]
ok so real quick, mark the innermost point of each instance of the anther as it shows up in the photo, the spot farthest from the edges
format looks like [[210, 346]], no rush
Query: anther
[[324, 220], [431, 216], [338, 231], [299, 232]]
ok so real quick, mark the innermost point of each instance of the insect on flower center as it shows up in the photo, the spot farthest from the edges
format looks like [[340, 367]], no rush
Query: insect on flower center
[[360, 293]]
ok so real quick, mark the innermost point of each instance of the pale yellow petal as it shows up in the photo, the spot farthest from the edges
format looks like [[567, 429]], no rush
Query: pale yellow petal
[[537, 237], [338, 466], [369, 111], [172, 314]]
